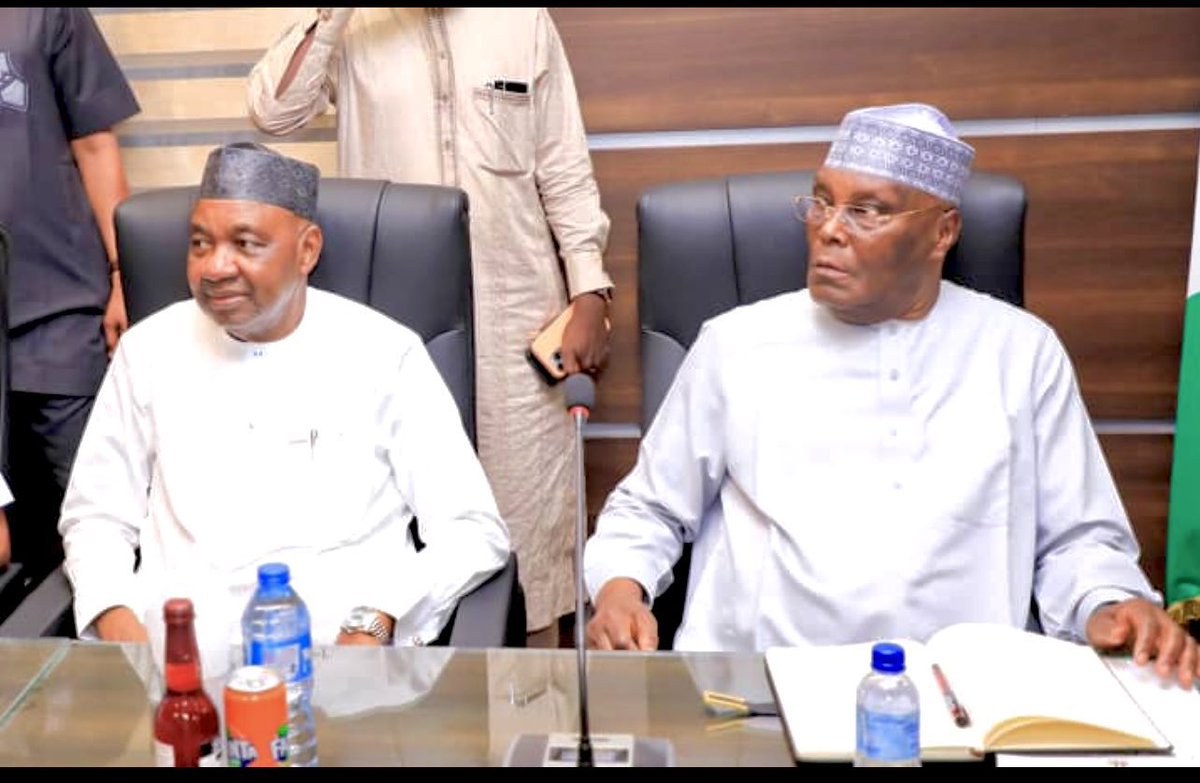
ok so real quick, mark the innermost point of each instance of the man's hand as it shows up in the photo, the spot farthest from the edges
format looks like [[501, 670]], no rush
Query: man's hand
[[120, 624], [586, 337], [1146, 630], [116, 322], [622, 621]]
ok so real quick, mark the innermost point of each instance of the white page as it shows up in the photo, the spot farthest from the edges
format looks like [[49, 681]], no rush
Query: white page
[[1174, 710], [1001, 672]]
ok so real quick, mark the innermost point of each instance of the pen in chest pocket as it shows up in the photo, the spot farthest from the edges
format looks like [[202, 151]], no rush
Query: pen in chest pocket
[[503, 85]]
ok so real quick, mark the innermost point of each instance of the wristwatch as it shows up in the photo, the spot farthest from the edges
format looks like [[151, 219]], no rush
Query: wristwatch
[[364, 619]]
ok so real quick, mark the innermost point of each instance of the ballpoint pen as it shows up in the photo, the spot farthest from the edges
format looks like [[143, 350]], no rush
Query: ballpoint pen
[[957, 711], [726, 704]]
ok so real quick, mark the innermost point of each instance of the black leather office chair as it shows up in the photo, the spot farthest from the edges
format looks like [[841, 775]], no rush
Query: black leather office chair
[[403, 249], [707, 246]]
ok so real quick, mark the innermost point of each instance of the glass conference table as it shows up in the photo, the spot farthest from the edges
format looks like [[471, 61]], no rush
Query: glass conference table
[[72, 703]]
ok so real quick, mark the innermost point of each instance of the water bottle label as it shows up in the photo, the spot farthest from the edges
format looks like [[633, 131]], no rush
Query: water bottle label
[[292, 658], [883, 737]]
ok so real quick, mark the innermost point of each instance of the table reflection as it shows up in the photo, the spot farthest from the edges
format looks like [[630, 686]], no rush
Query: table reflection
[[91, 704]]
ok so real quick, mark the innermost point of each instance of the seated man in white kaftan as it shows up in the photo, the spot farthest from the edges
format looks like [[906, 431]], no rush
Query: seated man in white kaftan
[[880, 455], [264, 420]]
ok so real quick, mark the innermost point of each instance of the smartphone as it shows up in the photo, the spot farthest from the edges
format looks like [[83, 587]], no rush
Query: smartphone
[[545, 353]]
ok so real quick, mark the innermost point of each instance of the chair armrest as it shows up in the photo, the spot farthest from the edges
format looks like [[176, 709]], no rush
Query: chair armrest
[[44, 610], [493, 614]]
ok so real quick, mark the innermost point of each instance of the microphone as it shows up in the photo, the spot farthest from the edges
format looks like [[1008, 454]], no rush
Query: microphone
[[568, 750]]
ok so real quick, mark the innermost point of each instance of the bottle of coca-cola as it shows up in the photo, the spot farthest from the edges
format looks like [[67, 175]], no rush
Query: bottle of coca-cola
[[186, 729]]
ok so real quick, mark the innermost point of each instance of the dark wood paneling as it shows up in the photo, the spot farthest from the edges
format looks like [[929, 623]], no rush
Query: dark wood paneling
[[1140, 464], [1108, 237], [1108, 233], [641, 69], [606, 463]]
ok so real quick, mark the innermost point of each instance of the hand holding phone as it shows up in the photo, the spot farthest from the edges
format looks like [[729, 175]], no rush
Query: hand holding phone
[[545, 353]]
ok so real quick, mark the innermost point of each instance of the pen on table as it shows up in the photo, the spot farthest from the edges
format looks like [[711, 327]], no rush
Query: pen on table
[[961, 718], [727, 704]]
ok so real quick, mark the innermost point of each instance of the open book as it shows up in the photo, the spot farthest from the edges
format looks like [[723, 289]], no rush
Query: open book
[[1022, 691]]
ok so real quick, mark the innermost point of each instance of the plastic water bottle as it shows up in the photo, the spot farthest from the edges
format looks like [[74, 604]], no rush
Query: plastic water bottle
[[889, 713], [276, 633]]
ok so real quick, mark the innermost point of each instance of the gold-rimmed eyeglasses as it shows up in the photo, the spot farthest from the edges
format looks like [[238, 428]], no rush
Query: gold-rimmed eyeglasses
[[859, 218]]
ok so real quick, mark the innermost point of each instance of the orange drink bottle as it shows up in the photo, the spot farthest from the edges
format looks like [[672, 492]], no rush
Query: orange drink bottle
[[256, 718]]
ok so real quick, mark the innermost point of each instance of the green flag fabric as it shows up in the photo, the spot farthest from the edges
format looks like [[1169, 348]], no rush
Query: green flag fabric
[[1183, 525]]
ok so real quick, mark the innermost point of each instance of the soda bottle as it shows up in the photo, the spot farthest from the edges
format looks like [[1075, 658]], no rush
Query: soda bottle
[[186, 728], [889, 719], [276, 633]]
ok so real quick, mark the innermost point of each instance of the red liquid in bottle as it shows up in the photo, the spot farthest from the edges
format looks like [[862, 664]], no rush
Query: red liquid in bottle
[[186, 729]]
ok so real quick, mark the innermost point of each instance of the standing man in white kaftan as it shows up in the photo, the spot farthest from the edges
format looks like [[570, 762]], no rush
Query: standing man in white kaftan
[[482, 99], [880, 455], [263, 420]]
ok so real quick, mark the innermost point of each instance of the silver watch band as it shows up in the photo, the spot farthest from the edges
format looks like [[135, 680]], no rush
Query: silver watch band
[[364, 619]]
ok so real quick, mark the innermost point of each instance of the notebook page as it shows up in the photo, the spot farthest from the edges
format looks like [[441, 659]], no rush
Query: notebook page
[[1000, 672], [1175, 711]]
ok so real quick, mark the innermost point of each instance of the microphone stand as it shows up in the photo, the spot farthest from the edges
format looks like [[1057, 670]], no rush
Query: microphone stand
[[580, 413], [557, 748]]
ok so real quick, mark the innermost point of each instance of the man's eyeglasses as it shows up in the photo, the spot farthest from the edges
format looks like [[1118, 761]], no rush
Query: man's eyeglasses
[[859, 218]]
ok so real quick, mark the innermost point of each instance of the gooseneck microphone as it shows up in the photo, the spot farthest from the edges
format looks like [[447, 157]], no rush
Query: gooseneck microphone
[[580, 394]]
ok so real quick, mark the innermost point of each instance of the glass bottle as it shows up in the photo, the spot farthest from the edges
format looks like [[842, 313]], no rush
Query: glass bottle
[[186, 727]]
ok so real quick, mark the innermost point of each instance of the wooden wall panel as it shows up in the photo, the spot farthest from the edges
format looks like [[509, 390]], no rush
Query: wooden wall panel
[[163, 167], [1140, 464], [1108, 232], [189, 99], [641, 69], [607, 462], [1108, 237], [196, 29]]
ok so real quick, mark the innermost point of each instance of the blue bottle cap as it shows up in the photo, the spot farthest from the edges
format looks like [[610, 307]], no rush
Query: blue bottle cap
[[887, 657], [273, 575]]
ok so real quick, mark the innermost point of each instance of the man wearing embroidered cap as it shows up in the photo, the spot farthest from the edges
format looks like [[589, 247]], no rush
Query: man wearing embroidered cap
[[249, 424], [880, 455]]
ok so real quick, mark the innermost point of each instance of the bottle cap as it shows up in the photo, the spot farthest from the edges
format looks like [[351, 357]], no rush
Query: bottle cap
[[887, 657], [178, 609], [273, 575]]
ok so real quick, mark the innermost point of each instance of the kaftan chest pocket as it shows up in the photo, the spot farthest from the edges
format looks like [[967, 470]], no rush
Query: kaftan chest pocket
[[502, 130]]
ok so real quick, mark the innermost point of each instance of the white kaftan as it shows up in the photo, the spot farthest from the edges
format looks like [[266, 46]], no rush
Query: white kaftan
[[846, 483], [215, 456]]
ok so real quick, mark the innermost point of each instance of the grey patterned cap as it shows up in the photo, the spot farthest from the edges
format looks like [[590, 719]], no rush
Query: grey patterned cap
[[251, 172], [911, 143]]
